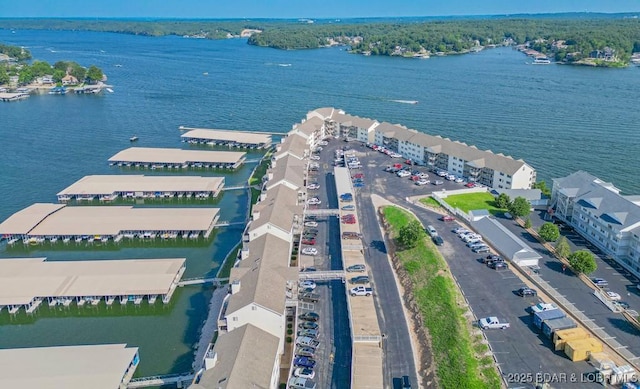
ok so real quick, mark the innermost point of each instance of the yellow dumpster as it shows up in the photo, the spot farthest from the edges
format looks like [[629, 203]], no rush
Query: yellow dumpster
[[579, 350], [563, 336]]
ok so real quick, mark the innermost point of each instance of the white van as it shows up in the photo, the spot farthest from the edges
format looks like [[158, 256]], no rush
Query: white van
[[432, 231]]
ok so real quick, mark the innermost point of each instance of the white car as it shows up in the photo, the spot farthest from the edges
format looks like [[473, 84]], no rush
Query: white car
[[459, 180], [451, 177], [323, 143], [314, 201], [423, 182], [613, 295], [314, 158], [304, 372], [403, 173], [313, 186], [311, 224], [309, 251], [308, 284]]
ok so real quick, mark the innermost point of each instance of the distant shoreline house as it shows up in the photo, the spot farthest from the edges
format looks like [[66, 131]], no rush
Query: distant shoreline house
[[69, 80], [597, 211]]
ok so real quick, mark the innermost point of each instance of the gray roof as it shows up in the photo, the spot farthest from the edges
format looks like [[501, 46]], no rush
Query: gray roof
[[529, 194], [504, 240], [310, 125], [355, 121], [246, 357], [325, 112], [290, 169], [278, 209], [263, 275], [576, 183], [388, 129]]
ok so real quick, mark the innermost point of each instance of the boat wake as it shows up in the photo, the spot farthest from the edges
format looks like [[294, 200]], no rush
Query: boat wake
[[405, 101], [284, 65]]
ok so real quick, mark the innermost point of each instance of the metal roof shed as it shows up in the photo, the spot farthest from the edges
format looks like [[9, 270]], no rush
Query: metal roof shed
[[507, 243]]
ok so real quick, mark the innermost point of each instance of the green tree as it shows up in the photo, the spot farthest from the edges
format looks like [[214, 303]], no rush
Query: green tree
[[78, 72], [503, 201], [543, 188], [520, 207], [583, 262], [25, 76], [549, 232], [527, 222], [4, 76], [61, 65], [562, 247], [58, 75], [94, 74], [410, 234], [40, 68]]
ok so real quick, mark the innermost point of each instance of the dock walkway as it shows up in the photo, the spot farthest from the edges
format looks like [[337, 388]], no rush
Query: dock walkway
[[210, 327]]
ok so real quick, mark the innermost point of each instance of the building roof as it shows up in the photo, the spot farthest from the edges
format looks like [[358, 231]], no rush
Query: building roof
[[278, 208], [579, 182], [23, 279], [343, 180], [355, 121], [23, 221], [111, 220], [290, 169], [177, 156], [504, 240], [108, 184], [263, 275], [228, 135], [294, 144], [246, 358], [69, 367], [310, 125], [387, 129], [323, 113]]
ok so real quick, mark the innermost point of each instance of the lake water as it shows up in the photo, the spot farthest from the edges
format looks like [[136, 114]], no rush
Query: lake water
[[558, 118]]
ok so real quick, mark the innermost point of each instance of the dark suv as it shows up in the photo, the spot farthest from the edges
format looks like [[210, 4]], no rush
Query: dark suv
[[525, 291], [498, 265], [491, 258]]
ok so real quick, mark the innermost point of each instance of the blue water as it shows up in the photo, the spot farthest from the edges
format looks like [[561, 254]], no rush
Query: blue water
[[558, 118]]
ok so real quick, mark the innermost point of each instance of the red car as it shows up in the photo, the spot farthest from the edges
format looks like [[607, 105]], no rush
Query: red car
[[397, 165], [349, 221], [470, 185], [447, 218], [358, 175], [415, 178], [309, 241], [408, 162]]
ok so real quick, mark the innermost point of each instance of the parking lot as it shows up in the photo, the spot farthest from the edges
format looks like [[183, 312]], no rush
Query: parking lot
[[522, 353]]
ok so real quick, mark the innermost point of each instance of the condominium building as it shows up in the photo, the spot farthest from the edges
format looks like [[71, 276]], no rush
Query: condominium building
[[598, 212], [457, 158]]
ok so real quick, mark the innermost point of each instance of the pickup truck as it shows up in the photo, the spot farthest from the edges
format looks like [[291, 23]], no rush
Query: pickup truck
[[361, 291], [309, 297], [492, 322]]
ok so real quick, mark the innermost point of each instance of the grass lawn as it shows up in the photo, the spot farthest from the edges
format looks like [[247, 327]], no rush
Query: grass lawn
[[430, 202], [471, 201], [260, 170], [228, 263], [459, 358]]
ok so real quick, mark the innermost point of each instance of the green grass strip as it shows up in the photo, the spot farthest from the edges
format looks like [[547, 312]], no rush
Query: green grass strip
[[457, 364], [470, 201]]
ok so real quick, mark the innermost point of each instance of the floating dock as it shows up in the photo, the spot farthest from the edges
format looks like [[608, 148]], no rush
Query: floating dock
[[7, 96], [161, 158], [112, 187], [28, 282], [240, 139], [41, 222], [105, 366]]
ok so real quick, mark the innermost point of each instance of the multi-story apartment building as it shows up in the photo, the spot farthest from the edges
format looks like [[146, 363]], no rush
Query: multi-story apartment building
[[489, 169], [598, 212]]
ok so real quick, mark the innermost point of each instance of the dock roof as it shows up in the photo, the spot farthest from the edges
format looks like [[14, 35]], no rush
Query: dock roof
[[228, 135], [69, 367], [23, 279], [111, 220], [177, 156], [108, 184], [245, 359]]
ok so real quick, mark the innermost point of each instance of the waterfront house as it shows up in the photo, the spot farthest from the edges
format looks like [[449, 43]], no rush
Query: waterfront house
[[597, 211], [69, 80]]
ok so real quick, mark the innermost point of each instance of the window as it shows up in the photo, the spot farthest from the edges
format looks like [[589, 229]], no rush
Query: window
[[235, 318]]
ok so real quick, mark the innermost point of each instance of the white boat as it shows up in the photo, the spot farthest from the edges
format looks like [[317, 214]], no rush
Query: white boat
[[541, 61], [109, 90], [406, 101], [133, 139]]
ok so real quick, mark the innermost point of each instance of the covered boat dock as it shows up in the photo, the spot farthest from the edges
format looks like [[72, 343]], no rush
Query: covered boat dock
[[105, 366], [7, 96], [28, 282], [166, 158], [111, 187], [240, 139], [41, 222]]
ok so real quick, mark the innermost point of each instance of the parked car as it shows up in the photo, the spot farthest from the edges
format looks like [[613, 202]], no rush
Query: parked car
[[304, 372], [422, 181], [305, 352], [310, 224], [349, 221], [309, 251], [498, 265], [460, 230], [308, 269], [359, 280], [541, 307], [301, 383], [447, 218], [491, 258], [307, 284], [438, 182], [310, 316], [309, 325], [313, 186], [349, 207], [309, 241], [361, 291], [431, 231], [470, 185], [351, 235], [309, 333], [314, 201], [406, 383], [309, 297], [479, 250], [613, 295], [305, 341], [304, 362], [359, 268], [526, 291], [475, 243], [459, 180], [437, 240], [600, 282]]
